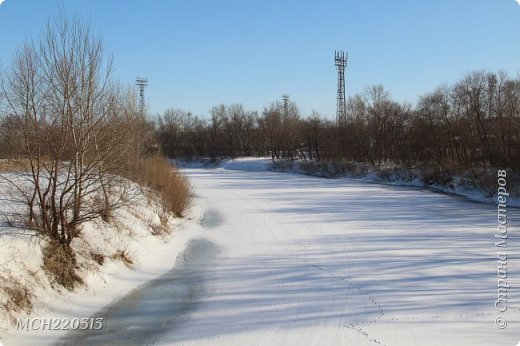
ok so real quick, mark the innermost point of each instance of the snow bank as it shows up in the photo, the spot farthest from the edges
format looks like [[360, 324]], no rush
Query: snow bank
[[392, 176], [249, 164], [130, 232], [240, 164]]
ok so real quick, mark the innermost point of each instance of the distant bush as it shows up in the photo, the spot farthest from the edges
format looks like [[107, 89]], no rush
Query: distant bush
[[332, 168], [437, 175], [486, 180], [283, 165], [397, 173]]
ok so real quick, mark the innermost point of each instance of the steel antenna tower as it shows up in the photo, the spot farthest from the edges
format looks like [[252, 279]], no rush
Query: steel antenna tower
[[141, 84], [285, 99], [340, 60]]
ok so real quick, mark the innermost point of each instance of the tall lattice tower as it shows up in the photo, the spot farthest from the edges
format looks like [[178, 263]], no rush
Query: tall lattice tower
[[285, 99], [340, 60], [141, 84]]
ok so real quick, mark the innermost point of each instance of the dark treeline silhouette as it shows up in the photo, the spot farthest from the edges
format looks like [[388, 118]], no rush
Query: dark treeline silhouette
[[475, 122]]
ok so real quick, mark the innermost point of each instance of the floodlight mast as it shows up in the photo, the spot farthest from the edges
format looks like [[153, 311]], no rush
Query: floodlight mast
[[340, 61], [141, 84], [285, 99]]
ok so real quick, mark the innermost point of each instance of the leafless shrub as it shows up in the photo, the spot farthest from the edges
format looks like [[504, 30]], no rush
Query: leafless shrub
[[73, 129], [61, 102], [486, 180], [437, 175]]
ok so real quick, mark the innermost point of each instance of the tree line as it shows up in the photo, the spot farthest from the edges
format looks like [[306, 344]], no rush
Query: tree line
[[474, 122]]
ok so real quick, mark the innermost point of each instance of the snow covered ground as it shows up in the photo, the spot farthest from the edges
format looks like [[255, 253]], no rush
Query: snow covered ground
[[458, 187], [152, 256], [283, 259], [313, 261]]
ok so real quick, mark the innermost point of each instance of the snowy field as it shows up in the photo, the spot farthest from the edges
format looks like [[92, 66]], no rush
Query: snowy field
[[286, 259]]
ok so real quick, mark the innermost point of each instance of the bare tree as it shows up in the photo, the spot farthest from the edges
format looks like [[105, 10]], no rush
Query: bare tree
[[72, 121]]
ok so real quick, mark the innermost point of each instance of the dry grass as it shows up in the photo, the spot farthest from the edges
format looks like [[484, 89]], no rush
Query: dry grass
[[98, 258], [19, 297], [123, 256], [172, 187], [13, 165], [158, 229], [163, 227], [59, 262]]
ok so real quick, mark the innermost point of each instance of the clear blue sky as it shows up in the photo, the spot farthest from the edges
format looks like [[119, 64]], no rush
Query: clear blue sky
[[197, 54]]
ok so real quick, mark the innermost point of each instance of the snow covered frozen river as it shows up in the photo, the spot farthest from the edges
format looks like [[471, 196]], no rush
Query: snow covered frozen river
[[289, 259]]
